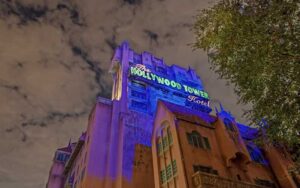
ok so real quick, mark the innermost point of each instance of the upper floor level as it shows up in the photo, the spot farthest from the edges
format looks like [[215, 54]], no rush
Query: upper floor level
[[190, 147]]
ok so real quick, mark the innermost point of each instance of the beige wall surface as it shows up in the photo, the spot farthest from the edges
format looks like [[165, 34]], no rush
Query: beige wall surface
[[214, 157]]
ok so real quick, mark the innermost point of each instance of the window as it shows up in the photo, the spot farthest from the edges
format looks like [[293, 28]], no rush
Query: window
[[62, 157], [169, 171], [139, 105], [159, 147], [138, 85], [196, 140], [137, 94], [228, 124], [163, 177], [191, 83], [169, 134], [165, 143], [206, 143], [179, 95], [137, 59], [165, 140], [59, 156], [265, 183], [174, 167], [201, 168], [189, 137], [206, 169], [161, 70]]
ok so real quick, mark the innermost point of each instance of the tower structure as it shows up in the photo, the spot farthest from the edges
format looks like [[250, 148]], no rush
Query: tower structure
[[157, 131], [140, 80]]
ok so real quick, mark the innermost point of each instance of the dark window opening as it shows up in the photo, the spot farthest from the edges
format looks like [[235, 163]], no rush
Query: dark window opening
[[206, 169], [163, 90], [138, 94], [137, 59], [188, 135], [161, 70], [238, 177], [196, 140], [190, 83], [138, 85], [140, 105], [62, 157], [265, 183], [179, 95], [163, 176], [206, 143]]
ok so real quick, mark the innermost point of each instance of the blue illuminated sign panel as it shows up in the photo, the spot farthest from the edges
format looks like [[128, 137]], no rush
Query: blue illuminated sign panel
[[142, 72]]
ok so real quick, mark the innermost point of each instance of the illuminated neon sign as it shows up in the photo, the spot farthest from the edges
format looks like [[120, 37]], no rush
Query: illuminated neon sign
[[141, 71]]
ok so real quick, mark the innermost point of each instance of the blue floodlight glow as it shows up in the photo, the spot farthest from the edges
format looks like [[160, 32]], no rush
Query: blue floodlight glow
[[148, 81]]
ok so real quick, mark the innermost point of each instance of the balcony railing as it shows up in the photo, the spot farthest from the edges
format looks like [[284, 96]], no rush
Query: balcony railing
[[204, 180]]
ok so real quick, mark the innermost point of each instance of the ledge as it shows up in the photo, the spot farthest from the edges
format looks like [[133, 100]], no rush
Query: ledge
[[204, 180]]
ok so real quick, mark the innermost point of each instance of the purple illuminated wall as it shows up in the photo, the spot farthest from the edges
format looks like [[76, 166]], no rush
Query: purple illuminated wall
[[153, 81]]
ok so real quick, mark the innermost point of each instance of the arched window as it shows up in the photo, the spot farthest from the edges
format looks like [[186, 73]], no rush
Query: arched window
[[169, 135], [228, 124], [194, 139], [197, 141], [164, 138]]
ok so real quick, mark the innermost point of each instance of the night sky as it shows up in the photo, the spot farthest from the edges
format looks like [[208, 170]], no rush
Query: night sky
[[54, 60]]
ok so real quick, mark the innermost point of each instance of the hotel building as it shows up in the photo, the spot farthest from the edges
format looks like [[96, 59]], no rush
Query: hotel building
[[157, 130]]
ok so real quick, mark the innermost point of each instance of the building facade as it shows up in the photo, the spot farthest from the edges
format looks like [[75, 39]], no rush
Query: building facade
[[157, 130]]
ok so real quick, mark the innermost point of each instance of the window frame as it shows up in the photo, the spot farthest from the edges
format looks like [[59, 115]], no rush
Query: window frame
[[197, 140]]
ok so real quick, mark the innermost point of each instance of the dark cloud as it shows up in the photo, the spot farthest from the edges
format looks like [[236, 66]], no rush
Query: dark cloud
[[111, 42], [152, 35], [93, 66], [15, 89], [52, 116], [39, 13], [133, 2], [74, 14], [29, 13]]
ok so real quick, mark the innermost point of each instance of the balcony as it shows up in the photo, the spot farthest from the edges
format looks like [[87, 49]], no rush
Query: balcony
[[204, 180]]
